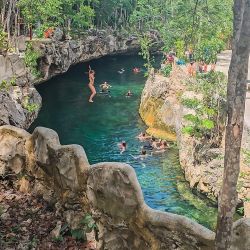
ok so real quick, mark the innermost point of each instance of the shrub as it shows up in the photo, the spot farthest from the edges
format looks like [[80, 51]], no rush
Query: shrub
[[166, 70], [31, 107], [30, 58]]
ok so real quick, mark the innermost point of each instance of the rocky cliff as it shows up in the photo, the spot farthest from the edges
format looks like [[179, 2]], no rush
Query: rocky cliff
[[163, 112], [56, 56], [63, 176]]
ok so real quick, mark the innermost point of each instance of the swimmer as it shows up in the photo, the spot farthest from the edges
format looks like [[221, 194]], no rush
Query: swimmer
[[154, 143], [162, 148], [142, 156], [136, 70], [121, 71], [91, 84], [142, 136], [148, 146], [129, 93], [122, 146], [104, 87]]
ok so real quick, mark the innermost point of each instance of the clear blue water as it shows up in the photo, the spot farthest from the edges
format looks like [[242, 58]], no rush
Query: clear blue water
[[101, 125]]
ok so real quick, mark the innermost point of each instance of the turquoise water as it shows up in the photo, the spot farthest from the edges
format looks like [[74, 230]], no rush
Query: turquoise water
[[101, 125]]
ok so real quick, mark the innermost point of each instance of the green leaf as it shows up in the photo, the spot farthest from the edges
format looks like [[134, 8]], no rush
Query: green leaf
[[188, 130], [208, 124]]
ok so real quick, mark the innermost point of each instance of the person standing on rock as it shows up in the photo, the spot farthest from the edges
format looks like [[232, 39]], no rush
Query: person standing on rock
[[91, 84]]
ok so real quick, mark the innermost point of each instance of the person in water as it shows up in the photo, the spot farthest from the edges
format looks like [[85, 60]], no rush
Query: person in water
[[142, 156], [121, 71], [105, 87], [129, 93], [154, 143], [136, 70], [122, 146], [162, 148], [91, 84], [143, 136]]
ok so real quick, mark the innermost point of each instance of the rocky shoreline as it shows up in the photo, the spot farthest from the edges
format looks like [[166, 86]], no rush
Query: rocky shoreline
[[62, 177], [162, 111], [56, 56]]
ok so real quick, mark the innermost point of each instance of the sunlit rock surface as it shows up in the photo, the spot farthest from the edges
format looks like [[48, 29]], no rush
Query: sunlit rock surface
[[162, 110], [110, 191]]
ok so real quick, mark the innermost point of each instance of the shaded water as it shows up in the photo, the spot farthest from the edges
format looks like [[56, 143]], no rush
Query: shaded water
[[101, 125]]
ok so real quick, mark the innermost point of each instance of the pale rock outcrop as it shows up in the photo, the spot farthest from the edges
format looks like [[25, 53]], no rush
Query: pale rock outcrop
[[109, 191], [12, 106], [162, 110]]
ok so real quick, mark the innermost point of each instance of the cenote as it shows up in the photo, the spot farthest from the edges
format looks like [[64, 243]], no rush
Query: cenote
[[101, 125]]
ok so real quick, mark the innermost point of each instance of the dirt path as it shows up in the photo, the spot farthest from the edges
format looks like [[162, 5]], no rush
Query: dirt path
[[223, 66]]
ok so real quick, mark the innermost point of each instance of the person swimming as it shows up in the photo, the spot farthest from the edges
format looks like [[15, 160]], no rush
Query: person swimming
[[154, 143], [129, 93], [143, 136], [142, 156], [91, 84], [136, 70], [105, 87], [162, 148], [121, 71], [122, 146]]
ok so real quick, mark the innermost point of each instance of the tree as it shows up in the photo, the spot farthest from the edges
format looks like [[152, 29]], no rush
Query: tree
[[236, 94]]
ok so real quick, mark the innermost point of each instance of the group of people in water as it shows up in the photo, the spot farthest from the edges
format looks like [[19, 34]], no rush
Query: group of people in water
[[104, 87], [150, 146]]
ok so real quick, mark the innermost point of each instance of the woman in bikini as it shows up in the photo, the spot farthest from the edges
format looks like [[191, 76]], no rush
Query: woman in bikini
[[91, 84]]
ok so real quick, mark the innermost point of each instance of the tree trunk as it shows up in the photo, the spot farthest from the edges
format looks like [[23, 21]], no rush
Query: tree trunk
[[4, 3], [236, 94]]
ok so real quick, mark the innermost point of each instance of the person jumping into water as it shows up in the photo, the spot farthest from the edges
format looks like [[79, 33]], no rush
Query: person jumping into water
[[91, 84]]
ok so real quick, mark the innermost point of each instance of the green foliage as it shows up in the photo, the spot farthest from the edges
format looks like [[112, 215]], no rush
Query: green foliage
[[52, 13], [145, 43], [180, 49], [188, 22], [207, 50], [199, 126], [240, 210], [191, 103], [166, 70], [3, 40], [31, 107], [5, 85], [246, 154], [13, 81], [212, 87], [34, 11], [31, 58], [86, 225], [58, 239]]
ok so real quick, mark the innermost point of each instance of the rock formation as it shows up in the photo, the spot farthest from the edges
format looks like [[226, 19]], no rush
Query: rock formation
[[163, 112], [56, 57], [109, 191]]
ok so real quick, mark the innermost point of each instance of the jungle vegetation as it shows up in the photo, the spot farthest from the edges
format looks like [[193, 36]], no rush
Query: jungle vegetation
[[181, 23]]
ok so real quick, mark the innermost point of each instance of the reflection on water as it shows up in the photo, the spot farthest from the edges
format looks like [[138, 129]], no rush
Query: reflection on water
[[101, 125]]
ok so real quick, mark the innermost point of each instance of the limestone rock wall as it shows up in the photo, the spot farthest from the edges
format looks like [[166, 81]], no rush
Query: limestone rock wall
[[109, 191], [161, 109]]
